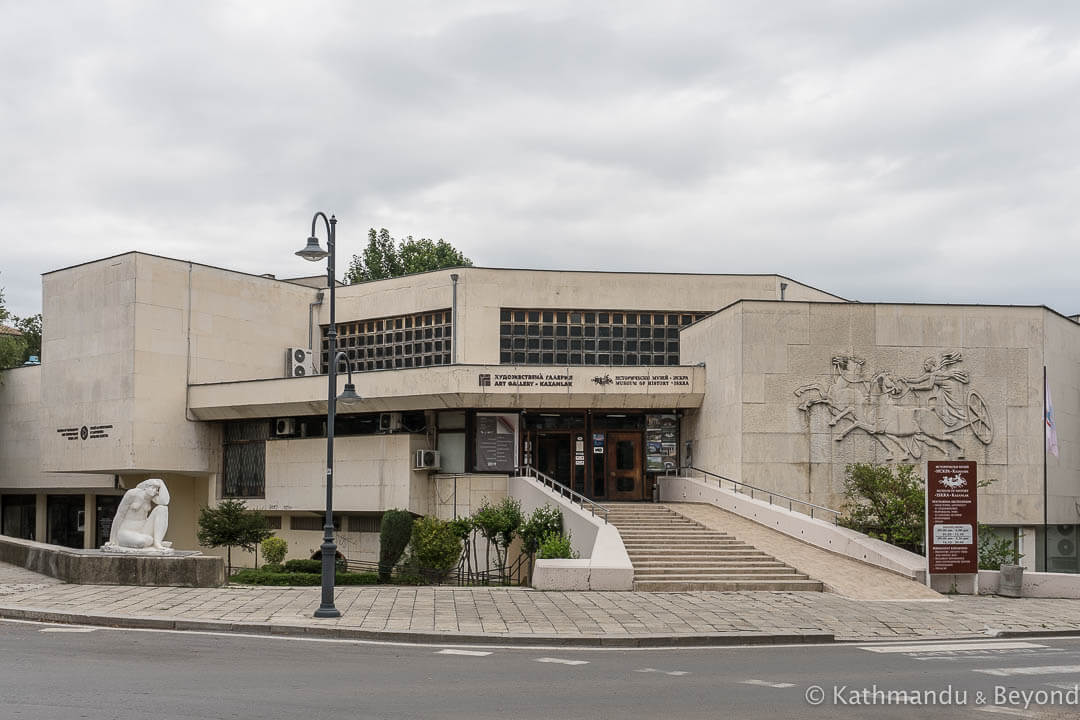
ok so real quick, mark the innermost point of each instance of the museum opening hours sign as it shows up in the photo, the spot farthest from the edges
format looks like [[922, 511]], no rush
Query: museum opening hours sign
[[952, 517]]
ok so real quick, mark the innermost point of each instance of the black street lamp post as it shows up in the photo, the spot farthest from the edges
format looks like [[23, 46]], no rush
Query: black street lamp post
[[314, 252]]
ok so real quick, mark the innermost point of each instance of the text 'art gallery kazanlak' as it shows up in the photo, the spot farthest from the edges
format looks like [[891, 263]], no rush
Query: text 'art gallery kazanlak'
[[213, 380]]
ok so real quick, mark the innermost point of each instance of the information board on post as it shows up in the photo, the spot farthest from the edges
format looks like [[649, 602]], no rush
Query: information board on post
[[952, 516]]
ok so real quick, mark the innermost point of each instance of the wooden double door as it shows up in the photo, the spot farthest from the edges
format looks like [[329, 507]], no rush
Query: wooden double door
[[605, 465]]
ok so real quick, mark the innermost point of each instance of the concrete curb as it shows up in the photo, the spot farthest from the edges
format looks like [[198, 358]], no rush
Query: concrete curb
[[401, 636]]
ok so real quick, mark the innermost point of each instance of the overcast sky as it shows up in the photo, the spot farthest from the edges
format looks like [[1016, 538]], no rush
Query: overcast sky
[[910, 151]]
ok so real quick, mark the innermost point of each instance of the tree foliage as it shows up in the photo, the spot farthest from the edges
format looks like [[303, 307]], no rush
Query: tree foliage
[[232, 524], [884, 504], [384, 257], [434, 549], [15, 350], [544, 520]]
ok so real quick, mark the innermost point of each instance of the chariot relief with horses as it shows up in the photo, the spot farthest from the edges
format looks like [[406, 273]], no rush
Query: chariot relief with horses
[[904, 414]]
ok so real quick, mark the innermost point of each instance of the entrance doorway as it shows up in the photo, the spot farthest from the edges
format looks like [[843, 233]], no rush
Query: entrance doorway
[[623, 466], [553, 456], [65, 520]]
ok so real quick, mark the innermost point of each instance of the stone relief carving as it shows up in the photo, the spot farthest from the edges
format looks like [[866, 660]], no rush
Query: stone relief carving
[[904, 414]]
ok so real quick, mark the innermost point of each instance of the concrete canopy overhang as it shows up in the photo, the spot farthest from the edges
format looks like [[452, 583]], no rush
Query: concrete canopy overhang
[[458, 386]]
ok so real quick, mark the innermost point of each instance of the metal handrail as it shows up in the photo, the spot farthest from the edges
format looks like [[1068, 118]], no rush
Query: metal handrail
[[791, 501], [585, 503]]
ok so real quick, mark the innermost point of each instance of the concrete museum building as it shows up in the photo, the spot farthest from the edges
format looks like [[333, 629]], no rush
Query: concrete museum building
[[211, 379]]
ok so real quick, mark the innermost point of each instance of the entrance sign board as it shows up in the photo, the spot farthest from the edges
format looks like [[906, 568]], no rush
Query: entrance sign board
[[496, 442], [952, 517]]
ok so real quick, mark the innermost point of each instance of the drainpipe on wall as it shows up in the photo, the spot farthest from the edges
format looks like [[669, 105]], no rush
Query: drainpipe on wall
[[783, 287], [311, 319], [454, 322]]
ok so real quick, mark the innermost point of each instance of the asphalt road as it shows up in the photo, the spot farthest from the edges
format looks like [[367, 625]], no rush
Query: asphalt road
[[57, 672]]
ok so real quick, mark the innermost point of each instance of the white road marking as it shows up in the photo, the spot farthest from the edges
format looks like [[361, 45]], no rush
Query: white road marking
[[68, 630], [561, 661], [765, 683], [1044, 670], [470, 653], [675, 673], [1007, 711], [952, 647]]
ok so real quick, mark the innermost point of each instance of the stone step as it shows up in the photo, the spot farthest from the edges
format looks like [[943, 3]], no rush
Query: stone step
[[747, 561], [691, 553], [699, 577], [680, 534], [729, 586], [640, 573]]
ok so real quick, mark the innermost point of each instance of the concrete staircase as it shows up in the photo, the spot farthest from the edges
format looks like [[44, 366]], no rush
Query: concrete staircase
[[675, 554]]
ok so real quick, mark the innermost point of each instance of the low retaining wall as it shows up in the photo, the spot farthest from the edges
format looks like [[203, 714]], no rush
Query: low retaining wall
[[813, 531], [91, 567], [1036, 584], [604, 564]]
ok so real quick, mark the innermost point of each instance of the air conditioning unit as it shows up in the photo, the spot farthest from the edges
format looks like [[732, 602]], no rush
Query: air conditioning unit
[[389, 422], [285, 427], [427, 460], [1063, 549], [300, 362]]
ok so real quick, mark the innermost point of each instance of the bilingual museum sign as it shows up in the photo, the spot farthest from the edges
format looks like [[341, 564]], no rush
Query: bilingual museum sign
[[952, 517]]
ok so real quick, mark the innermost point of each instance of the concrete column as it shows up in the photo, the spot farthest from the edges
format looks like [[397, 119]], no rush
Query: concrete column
[[89, 520], [40, 515], [1028, 547]]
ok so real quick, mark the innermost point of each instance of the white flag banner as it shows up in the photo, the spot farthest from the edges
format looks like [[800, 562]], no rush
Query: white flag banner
[[1051, 426]]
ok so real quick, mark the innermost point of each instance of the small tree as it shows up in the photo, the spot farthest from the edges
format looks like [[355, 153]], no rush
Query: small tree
[[394, 537], [230, 524], [434, 549], [274, 550], [885, 504]]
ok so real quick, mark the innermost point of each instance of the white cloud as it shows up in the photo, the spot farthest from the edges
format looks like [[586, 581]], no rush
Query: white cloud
[[913, 151]]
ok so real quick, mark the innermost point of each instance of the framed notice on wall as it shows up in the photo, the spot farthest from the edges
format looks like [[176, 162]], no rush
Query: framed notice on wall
[[952, 536], [660, 442], [496, 442]]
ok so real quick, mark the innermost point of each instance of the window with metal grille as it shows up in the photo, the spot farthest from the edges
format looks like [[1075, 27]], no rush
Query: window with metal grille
[[591, 337], [273, 522], [365, 523], [244, 465], [403, 341], [312, 522]]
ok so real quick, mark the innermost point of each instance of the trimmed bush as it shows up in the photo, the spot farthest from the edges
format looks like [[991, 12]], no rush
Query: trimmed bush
[[435, 548], [393, 539], [556, 546], [303, 566], [262, 577], [274, 550]]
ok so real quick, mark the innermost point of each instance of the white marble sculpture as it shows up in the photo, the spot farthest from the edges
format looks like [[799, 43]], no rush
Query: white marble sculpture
[[141, 521]]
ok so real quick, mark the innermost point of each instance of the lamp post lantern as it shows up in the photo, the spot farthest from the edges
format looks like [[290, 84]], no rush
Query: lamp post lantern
[[314, 252]]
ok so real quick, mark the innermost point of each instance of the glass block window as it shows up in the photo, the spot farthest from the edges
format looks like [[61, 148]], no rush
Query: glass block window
[[244, 467], [404, 341], [591, 337]]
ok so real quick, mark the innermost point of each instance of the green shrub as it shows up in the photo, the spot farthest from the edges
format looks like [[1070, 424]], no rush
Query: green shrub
[[273, 568], [885, 505], [303, 566], [262, 577], [556, 546], [542, 522], [393, 539], [274, 550], [995, 551], [434, 550]]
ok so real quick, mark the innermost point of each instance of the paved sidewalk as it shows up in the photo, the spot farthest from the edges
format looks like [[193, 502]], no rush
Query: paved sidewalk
[[840, 574], [521, 615]]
